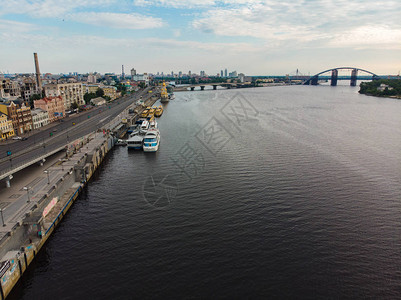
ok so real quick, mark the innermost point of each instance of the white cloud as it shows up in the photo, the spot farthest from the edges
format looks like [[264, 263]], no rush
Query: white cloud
[[370, 36], [300, 22], [176, 3], [117, 20], [17, 27], [47, 8]]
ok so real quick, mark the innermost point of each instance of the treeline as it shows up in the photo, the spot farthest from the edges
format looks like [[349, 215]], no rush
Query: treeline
[[371, 88]]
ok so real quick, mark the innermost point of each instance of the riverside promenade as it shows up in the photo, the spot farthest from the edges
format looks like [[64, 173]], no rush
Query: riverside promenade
[[42, 194], [39, 199]]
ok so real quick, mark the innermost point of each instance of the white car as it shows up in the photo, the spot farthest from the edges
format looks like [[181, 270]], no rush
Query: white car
[[17, 138]]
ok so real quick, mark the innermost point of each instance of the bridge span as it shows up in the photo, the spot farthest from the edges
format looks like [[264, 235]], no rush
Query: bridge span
[[202, 86], [313, 80]]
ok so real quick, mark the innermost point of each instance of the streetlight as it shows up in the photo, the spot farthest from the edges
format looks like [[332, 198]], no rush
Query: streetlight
[[27, 188], [48, 176], [2, 217]]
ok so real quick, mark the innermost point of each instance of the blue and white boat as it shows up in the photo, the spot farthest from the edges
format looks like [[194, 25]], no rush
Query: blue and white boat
[[151, 140]]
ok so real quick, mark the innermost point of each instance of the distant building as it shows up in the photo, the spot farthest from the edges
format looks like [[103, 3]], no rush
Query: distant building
[[189, 73], [233, 74], [248, 78], [241, 77], [40, 118], [98, 101], [383, 86], [91, 78], [90, 88], [133, 72], [225, 73], [10, 89], [29, 88], [24, 117], [10, 109], [6, 127], [179, 74], [110, 91], [69, 92], [53, 105], [221, 72], [141, 78]]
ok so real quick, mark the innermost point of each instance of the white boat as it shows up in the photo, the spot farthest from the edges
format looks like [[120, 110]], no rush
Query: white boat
[[135, 142], [121, 142], [153, 125], [144, 127], [151, 140]]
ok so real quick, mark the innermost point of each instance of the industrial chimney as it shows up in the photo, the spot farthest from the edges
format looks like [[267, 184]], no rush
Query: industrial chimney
[[38, 79]]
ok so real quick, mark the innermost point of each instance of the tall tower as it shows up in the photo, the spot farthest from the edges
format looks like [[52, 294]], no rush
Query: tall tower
[[122, 73], [225, 73], [38, 79]]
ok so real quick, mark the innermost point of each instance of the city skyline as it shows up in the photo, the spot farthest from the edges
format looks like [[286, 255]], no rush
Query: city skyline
[[253, 37]]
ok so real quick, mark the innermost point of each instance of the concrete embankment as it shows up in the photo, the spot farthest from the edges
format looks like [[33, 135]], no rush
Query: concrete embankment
[[40, 215], [20, 246]]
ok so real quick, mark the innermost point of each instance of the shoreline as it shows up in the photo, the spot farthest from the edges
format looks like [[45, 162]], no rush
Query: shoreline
[[38, 217]]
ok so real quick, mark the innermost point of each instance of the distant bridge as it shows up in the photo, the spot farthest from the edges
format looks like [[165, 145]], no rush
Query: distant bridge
[[313, 80], [202, 86]]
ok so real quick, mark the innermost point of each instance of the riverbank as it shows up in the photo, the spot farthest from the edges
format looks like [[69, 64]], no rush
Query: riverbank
[[41, 205], [20, 245]]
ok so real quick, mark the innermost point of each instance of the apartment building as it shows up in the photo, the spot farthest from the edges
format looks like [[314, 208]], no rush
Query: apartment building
[[6, 127], [24, 118], [40, 118], [54, 106], [69, 92]]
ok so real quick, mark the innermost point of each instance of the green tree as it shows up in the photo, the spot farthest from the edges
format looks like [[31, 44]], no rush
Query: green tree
[[142, 85], [371, 88], [33, 98], [88, 97], [99, 93], [74, 105]]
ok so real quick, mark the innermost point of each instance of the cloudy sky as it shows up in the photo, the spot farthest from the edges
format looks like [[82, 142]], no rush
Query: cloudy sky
[[256, 37]]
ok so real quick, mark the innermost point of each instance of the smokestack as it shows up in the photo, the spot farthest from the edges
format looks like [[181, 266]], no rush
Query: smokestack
[[38, 79]]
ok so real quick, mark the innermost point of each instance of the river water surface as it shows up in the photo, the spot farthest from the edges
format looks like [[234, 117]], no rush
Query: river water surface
[[285, 192]]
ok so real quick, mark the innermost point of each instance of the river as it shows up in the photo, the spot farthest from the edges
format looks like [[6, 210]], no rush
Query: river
[[285, 192]]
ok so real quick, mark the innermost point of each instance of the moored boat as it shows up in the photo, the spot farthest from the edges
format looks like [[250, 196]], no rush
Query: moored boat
[[144, 113], [144, 127], [159, 111], [135, 142], [151, 141], [121, 142]]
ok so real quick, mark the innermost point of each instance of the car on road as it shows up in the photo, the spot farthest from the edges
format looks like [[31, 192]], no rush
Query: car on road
[[24, 139], [17, 138]]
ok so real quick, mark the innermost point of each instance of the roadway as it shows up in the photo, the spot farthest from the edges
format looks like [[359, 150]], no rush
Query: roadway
[[59, 134]]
